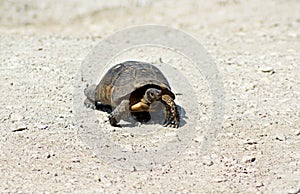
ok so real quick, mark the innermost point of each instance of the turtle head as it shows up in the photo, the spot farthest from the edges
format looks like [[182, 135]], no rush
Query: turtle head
[[152, 94]]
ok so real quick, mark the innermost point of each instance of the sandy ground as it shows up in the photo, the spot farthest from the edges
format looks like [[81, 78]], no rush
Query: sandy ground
[[255, 45]]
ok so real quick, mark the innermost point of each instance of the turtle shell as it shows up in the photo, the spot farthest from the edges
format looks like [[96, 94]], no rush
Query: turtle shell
[[130, 80]]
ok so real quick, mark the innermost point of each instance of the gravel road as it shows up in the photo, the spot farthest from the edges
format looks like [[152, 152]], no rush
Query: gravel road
[[255, 45]]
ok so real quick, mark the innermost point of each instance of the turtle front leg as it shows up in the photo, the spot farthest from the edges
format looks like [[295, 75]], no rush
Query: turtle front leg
[[171, 112], [120, 112]]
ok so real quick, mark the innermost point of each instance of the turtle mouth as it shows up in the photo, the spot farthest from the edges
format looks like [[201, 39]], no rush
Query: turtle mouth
[[158, 95]]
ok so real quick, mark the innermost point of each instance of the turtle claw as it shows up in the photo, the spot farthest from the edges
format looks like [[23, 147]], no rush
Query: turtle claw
[[113, 122], [89, 104], [171, 123]]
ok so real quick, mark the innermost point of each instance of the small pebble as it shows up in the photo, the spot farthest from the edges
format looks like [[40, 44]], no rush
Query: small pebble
[[248, 159], [296, 132], [42, 127], [259, 185], [133, 169], [207, 161], [294, 191], [198, 139], [267, 69], [19, 127], [125, 134], [220, 180], [250, 141], [76, 160], [280, 136], [97, 178]]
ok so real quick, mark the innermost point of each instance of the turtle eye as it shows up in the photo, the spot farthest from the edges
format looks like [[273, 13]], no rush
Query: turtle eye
[[151, 94]]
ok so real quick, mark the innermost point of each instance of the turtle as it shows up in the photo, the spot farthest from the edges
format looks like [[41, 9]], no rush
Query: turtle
[[129, 88]]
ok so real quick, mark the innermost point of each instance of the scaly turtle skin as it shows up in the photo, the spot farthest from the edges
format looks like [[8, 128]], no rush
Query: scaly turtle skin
[[130, 88]]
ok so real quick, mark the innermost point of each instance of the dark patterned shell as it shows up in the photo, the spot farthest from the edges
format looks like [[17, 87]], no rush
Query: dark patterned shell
[[125, 78]]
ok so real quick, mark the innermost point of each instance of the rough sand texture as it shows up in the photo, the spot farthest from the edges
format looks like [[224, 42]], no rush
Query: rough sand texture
[[255, 45]]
